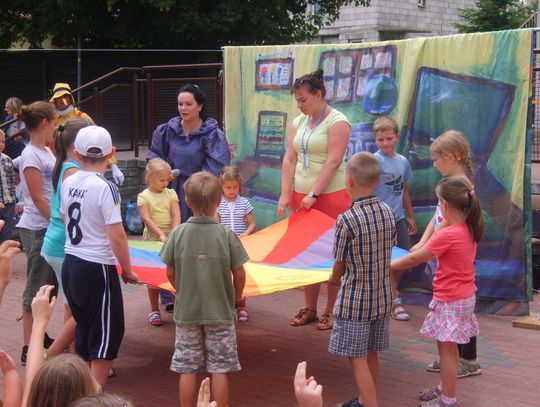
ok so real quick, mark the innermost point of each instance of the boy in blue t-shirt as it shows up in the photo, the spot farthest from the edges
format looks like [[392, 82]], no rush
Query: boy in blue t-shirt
[[395, 174]]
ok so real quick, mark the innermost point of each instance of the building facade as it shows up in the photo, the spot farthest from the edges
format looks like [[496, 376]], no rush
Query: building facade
[[386, 20]]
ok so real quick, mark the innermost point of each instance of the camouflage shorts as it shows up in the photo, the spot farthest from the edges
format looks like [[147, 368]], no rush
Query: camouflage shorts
[[215, 343]]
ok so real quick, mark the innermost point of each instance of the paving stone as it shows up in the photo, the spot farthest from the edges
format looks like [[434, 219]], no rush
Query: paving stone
[[270, 348]]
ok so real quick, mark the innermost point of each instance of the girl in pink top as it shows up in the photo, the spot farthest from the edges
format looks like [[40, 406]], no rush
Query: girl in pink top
[[451, 155], [451, 320]]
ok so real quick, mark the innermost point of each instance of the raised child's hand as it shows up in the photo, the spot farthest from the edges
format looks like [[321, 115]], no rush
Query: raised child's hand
[[43, 304], [308, 393], [203, 400], [6, 362]]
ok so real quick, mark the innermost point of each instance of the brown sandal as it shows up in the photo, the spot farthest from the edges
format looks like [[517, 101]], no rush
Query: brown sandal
[[304, 316], [325, 322]]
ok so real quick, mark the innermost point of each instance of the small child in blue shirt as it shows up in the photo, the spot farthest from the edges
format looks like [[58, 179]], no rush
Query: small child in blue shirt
[[395, 174]]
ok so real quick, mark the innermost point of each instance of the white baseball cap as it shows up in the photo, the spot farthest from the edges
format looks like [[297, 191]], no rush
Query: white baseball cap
[[93, 142]]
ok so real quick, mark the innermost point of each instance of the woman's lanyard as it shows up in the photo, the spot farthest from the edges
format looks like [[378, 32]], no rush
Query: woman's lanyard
[[304, 145]]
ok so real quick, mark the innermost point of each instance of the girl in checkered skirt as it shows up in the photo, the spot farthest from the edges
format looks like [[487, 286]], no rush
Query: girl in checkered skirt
[[451, 320], [451, 155]]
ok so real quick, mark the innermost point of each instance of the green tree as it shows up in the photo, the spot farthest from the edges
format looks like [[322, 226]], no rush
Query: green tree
[[494, 15], [165, 23]]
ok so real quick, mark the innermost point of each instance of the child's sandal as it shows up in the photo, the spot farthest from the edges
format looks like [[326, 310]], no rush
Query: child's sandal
[[398, 313], [430, 394], [304, 316], [325, 322]]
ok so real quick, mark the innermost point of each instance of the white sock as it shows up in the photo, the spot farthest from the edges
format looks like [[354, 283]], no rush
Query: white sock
[[396, 300]]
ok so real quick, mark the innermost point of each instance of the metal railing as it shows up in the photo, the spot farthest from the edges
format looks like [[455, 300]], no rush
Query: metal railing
[[131, 101], [531, 21]]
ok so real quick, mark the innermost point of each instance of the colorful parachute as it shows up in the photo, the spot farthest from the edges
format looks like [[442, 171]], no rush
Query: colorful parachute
[[293, 252]]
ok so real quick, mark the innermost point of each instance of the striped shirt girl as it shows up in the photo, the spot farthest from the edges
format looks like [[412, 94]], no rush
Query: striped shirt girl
[[233, 214]]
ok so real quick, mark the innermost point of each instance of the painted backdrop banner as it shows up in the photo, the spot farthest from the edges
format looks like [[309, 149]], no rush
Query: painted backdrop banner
[[475, 83]]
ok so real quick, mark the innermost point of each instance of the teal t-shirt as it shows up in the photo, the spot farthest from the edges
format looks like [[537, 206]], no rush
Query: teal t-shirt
[[55, 237], [203, 253]]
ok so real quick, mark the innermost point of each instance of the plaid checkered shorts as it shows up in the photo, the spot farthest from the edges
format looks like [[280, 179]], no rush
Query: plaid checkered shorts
[[353, 339]]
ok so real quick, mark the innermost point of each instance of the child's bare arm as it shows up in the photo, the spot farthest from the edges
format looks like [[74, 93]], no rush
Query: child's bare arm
[[239, 281], [412, 259], [42, 307], [425, 236], [150, 224], [171, 275], [407, 204], [7, 250], [251, 224], [175, 212], [13, 392], [337, 272], [35, 188], [119, 245]]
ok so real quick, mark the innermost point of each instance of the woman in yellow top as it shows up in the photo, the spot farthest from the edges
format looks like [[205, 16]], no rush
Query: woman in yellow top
[[313, 172]]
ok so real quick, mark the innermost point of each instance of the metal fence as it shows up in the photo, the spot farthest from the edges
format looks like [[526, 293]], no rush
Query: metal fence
[[129, 101]]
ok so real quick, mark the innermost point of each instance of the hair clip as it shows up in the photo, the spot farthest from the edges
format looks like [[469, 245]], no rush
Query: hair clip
[[471, 193]]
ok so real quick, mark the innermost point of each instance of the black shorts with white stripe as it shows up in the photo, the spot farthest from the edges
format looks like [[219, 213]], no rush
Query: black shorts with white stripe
[[95, 297]]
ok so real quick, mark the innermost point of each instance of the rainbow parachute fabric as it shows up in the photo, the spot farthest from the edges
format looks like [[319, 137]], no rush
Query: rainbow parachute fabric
[[293, 252]]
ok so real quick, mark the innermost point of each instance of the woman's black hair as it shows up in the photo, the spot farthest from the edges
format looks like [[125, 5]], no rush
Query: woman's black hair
[[196, 91], [313, 81]]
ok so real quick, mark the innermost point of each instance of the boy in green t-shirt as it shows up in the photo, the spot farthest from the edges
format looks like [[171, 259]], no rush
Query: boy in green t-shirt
[[200, 256]]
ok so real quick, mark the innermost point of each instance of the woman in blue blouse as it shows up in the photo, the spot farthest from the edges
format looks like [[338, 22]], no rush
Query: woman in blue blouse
[[190, 142]]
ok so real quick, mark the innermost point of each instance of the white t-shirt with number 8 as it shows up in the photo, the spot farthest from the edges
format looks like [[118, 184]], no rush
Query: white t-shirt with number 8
[[89, 204]]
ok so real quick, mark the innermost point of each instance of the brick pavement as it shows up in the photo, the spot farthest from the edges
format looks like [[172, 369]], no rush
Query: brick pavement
[[270, 349]]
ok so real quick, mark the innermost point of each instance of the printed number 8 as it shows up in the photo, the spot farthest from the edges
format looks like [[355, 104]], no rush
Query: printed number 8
[[73, 228]]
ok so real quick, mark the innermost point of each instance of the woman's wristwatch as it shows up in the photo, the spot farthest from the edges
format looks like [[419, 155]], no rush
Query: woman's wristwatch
[[312, 195]]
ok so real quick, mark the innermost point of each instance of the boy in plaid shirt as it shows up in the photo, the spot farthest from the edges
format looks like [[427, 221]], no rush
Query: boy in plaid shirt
[[363, 244]]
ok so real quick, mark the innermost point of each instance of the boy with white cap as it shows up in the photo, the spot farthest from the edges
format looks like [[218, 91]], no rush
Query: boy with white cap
[[96, 240]]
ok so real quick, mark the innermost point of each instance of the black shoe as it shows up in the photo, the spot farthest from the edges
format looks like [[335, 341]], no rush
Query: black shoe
[[352, 403], [47, 341], [24, 353], [169, 308]]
